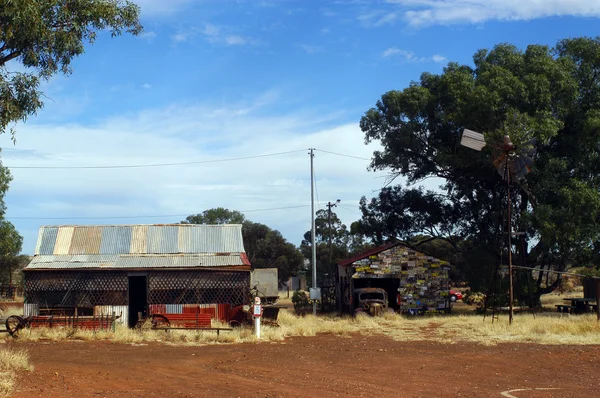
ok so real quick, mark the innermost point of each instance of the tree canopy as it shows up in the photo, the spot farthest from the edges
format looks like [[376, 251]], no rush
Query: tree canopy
[[44, 36], [550, 94], [265, 247]]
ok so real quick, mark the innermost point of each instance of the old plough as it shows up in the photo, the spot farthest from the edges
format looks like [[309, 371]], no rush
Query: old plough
[[15, 323]]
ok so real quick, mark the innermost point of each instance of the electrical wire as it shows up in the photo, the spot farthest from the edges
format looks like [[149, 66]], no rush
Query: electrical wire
[[148, 216], [348, 209], [341, 154], [155, 164]]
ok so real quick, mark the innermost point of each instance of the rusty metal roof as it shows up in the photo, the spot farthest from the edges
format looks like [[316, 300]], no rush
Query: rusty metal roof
[[124, 261], [140, 239], [139, 246]]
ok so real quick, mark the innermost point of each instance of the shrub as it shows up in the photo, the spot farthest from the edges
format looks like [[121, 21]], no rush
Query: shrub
[[476, 298], [301, 301]]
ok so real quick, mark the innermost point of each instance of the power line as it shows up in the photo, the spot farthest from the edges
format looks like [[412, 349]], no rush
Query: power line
[[155, 164], [125, 166], [148, 216], [350, 210], [342, 154]]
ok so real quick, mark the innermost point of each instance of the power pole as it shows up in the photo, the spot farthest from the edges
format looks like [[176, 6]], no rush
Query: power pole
[[329, 206], [312, 229]]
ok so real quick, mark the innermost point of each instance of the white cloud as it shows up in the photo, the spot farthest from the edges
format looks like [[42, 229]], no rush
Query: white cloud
[[146, 86], [213, 34], [180, 37], [148, 35], [410, 56], [397, 51], [420, 13], [235, 40], [182, 133]]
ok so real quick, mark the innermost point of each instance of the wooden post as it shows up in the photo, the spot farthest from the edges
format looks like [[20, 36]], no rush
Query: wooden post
[[113, 322], [76, 318]]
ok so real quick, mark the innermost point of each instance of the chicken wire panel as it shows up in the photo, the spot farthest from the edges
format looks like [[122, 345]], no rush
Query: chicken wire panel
[[199, 287], [76, 289]]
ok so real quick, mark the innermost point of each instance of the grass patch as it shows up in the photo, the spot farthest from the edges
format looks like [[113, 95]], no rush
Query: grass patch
[[11, 360], [545, 328]]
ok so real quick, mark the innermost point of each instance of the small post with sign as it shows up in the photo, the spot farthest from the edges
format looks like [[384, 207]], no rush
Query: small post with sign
[[256, 313]]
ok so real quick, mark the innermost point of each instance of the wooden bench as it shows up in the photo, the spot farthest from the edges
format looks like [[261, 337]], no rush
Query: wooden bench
[[565, 308], [191, 321]]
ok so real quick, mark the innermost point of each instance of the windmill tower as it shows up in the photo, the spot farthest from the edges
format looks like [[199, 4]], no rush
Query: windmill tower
[[512, 163]]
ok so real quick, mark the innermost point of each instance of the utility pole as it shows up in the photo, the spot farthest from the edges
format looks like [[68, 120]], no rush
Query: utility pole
[[510, 267], [329, 206], [312, 229]]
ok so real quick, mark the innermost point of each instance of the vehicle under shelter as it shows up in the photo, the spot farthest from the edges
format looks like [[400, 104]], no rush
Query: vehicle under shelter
[[415, 283]]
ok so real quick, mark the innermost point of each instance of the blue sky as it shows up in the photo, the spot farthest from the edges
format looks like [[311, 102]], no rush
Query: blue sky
[[213, 80]]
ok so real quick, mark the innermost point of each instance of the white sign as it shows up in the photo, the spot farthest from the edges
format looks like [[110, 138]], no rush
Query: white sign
[[257, 300], [257, 312]]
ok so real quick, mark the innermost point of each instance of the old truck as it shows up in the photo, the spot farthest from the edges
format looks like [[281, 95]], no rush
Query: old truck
[[371, 300]]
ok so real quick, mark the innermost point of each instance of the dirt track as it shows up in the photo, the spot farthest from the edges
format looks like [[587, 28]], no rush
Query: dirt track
[[320, 366]]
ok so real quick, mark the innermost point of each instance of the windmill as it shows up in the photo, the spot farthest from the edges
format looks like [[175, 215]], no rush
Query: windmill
[[513, 163]]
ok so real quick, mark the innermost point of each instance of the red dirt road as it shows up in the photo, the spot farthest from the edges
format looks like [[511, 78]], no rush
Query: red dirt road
[[323, 366]]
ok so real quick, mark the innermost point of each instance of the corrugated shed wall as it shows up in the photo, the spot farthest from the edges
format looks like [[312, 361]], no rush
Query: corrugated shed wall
[[140, 239]]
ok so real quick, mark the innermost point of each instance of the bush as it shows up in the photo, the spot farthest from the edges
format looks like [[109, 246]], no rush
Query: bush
[[471, 298], [301, 301]]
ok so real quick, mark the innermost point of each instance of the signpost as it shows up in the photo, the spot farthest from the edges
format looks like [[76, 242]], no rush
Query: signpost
[[257, 313]]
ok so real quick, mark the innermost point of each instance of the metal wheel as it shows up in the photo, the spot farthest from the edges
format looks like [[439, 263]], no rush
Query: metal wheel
[[143, 324], [14, 323], [160, 321]]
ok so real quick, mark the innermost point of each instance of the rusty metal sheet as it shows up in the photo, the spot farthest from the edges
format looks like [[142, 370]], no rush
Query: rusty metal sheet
[[115, 239], [139, 239], [63, 240], [48, 240], [78, 242], [93, 239]]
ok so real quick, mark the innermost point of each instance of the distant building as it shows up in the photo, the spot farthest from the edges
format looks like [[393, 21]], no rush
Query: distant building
[[414, 282], [131, 269]]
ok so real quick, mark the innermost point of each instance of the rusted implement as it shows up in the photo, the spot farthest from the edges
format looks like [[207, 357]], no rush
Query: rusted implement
[[15, 323], [191, 321]]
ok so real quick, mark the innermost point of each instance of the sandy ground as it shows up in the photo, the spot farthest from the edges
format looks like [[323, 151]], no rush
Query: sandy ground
[[322, 366]]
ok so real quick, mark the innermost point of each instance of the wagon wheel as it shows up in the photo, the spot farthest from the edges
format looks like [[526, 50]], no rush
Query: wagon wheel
[[14, 323], [160, 321], [143, 323]]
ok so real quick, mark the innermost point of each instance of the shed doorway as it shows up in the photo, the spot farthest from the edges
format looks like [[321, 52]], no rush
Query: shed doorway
[[138, 297]]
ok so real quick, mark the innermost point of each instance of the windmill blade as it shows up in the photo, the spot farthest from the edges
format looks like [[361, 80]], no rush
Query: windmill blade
[[472, 139], [521, 166]]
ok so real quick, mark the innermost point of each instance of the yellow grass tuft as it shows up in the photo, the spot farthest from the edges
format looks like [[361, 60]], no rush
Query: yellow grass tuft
[[11, 360]]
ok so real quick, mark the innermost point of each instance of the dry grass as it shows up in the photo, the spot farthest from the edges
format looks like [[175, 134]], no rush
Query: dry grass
[[548, 328], [11, 360]]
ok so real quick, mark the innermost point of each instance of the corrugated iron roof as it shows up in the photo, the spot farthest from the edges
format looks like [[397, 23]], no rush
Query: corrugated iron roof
[[123, 261], [140, 239]]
